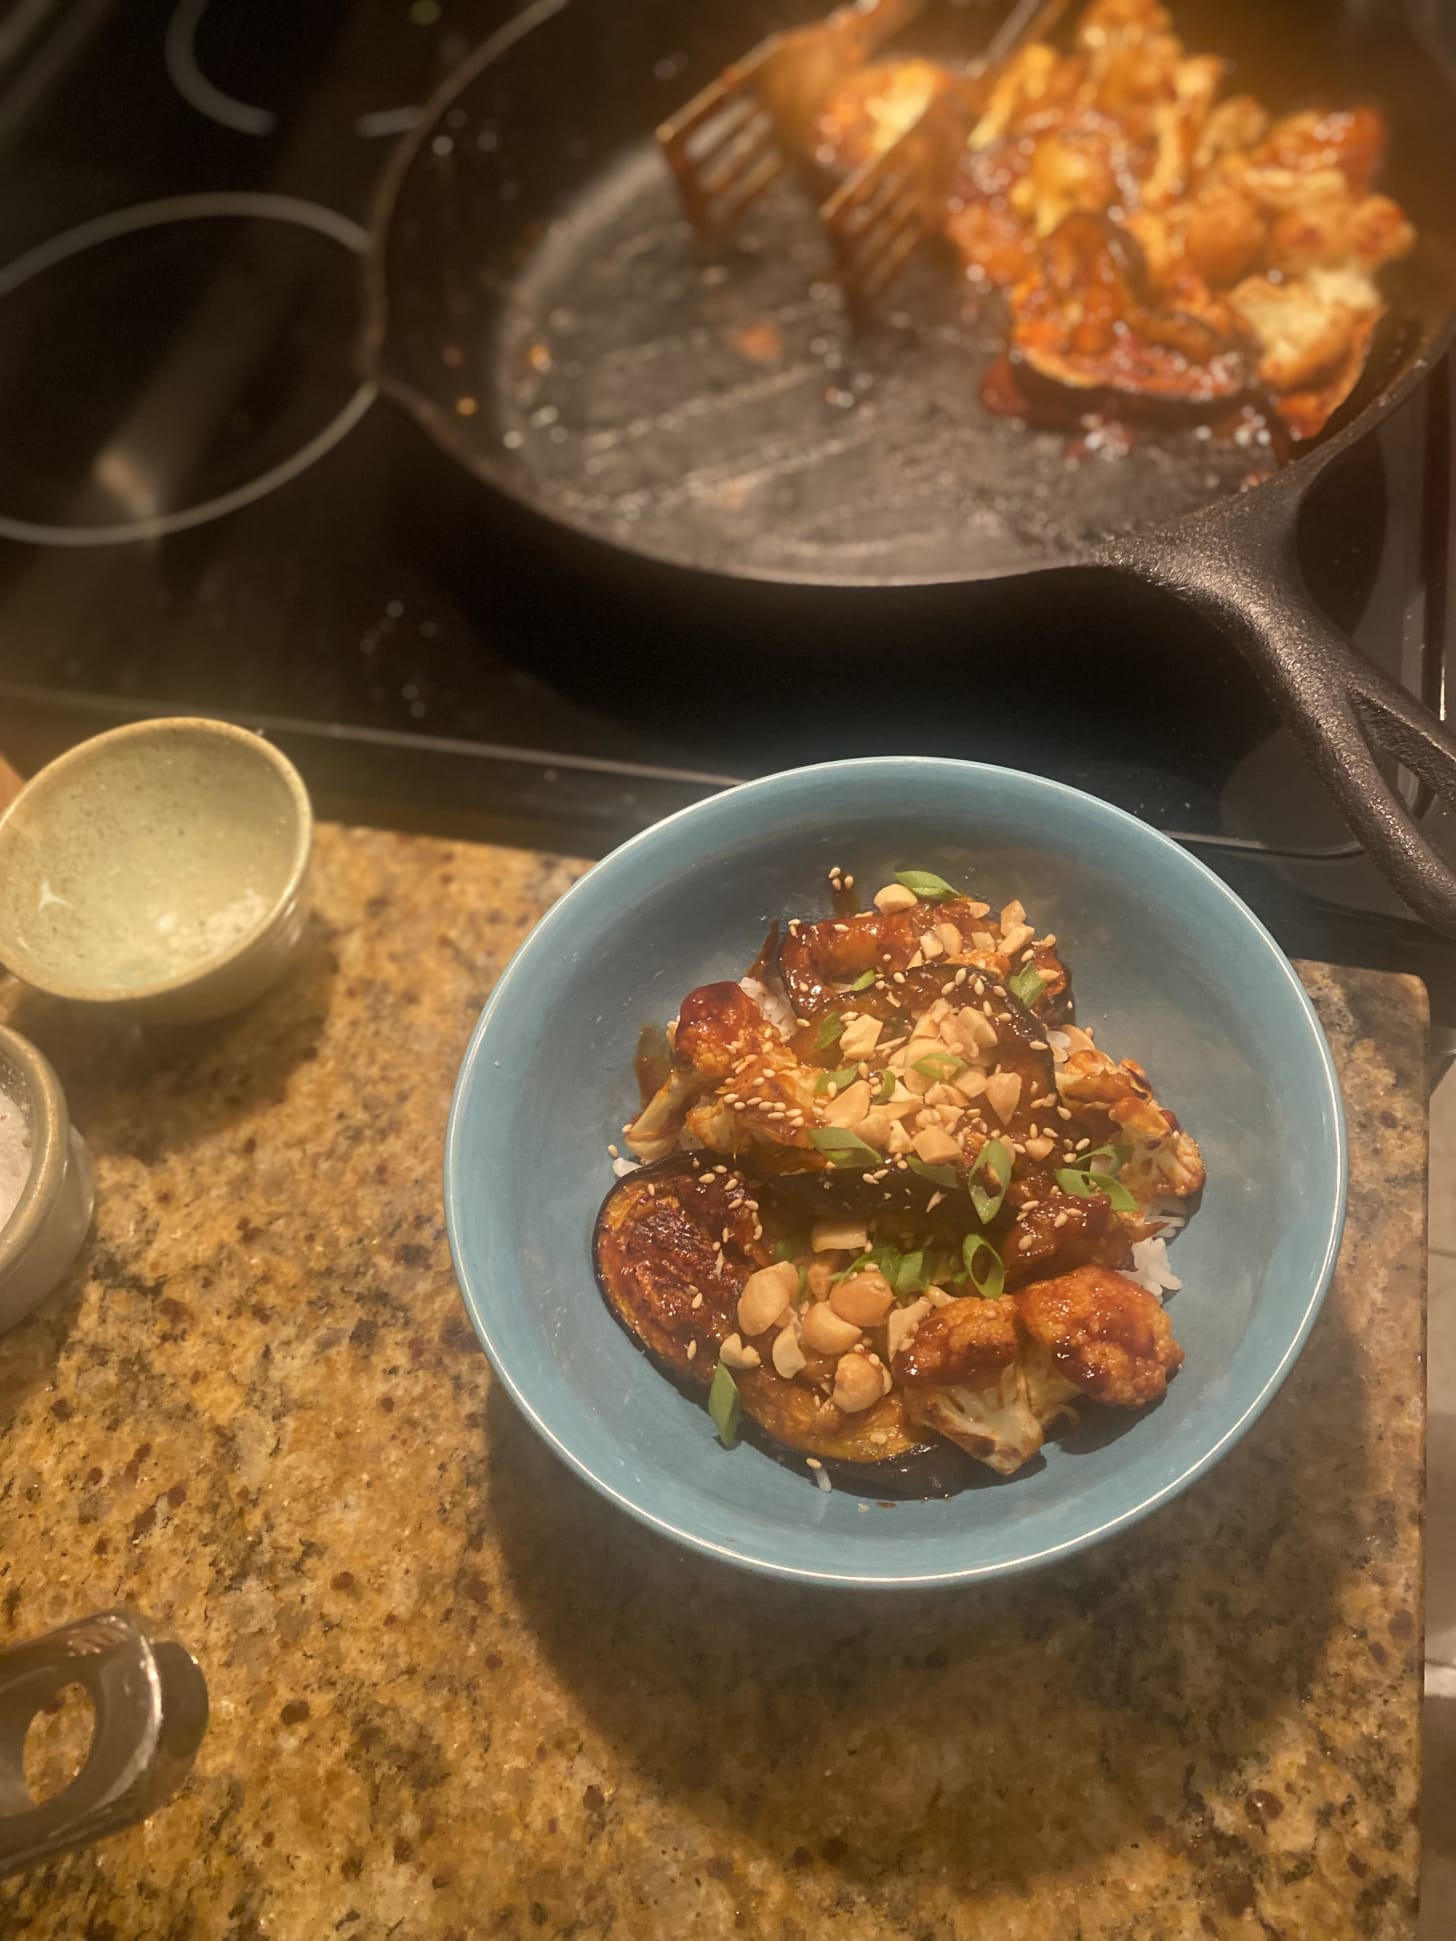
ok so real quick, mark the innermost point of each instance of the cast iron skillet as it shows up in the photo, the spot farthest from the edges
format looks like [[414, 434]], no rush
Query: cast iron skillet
[[537, 301]]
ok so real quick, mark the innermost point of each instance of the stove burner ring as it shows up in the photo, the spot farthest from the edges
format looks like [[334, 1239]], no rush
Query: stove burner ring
[[155, 215], [244, 117]]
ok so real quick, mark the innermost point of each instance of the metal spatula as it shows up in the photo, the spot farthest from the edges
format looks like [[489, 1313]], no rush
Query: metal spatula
[[740, 132]]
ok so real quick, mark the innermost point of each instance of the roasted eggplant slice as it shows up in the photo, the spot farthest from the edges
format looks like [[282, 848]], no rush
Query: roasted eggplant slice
[[660, 1245]]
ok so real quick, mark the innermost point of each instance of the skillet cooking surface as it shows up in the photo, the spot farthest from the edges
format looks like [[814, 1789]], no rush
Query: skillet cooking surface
[[547, 313]]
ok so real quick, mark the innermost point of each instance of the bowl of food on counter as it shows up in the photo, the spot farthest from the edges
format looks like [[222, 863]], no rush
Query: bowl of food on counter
[[895, 1172]]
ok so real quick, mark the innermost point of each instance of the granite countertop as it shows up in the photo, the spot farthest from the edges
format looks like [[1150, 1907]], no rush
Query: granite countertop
[[453, 1694]]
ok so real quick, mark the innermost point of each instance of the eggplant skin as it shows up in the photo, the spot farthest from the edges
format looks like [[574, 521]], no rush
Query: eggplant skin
[[657, 1244]]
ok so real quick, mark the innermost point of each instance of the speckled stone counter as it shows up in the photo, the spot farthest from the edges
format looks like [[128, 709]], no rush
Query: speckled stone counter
[[454, 1695]]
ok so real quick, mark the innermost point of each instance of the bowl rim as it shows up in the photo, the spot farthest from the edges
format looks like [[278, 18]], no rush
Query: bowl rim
[[162, 727], [50, 1129], [850, 1578]]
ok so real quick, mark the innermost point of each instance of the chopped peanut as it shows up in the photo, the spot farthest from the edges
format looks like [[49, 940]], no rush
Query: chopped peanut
[[734, 1354], [865, 1299], [858, 1384], [903, 1322], [936, 1147], [826, 1332], [1016, 938], [765, 1295], [1039, 1147], [859, 1038], [841, 1235], [1003, 1093], [850, 1106], [788, 1356], [819, 1276], [894, 896], [951, 941]]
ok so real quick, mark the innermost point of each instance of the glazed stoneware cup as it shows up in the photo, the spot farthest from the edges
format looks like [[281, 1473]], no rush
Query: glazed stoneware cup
[[40, 1151], [159, 868]]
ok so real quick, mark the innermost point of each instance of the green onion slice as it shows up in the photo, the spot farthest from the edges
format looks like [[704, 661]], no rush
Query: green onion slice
[[983, 1266], [863, 983], [887, 1089], [937, 1175], [1106, 1159], [844, 1076], [843, 1147], [1083, 1185], [929, 887], [828, 1032], [725, 1405], [940, 1065], [909, 1274], [994, 1159], [782, 1250], [1028, 984]]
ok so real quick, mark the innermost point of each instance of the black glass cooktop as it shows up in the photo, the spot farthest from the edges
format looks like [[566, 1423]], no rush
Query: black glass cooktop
[[203, 508]]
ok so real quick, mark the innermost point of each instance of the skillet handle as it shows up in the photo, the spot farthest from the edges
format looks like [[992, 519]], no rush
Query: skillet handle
[[1239, 566]]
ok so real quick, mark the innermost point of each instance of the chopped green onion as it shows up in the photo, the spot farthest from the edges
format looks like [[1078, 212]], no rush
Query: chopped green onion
[[940, 1065], [725, 1405], [844, 1076], [1114, 1158], [887, 1089], [994, 1159], [1083, 1185], [909, 1275], [1028, 984], [929, 887], [829, 1030], [844, 1148], [782, 1250], [863, 983], [937, 1175], [989, 1281], [886, 1258]]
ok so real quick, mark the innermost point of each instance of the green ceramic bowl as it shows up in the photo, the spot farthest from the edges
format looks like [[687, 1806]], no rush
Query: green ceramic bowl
[[159, 868]]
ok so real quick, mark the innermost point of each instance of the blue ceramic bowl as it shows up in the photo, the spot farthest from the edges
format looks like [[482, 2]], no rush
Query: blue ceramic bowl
[[1167, 961]]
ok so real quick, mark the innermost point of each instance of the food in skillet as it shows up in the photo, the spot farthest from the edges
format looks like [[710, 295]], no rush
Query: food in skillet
[[891, 1203], [1155, 238]]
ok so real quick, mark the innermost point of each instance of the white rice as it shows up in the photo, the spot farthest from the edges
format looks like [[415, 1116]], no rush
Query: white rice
[[1150, 1268], [773, 1004]]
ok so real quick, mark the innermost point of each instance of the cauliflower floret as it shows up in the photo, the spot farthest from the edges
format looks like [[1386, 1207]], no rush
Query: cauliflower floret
[[961, 1375], [1104, 1334], [1165, 1160], [725, 1046]]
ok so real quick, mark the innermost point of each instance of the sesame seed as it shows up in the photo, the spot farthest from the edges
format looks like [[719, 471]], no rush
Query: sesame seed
[[1083, 1144], [692, 1349], [1062, 1218], [849, 882], [961, 975], [1063, 1112], [899, 977], [989, 1008], [1027, 955], [1038, 1044], [612, 1150], [802, 1023], [813, 1462]]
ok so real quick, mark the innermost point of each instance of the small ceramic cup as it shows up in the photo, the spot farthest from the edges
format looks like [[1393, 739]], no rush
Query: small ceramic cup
[[159, 868], [38, 1143]]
